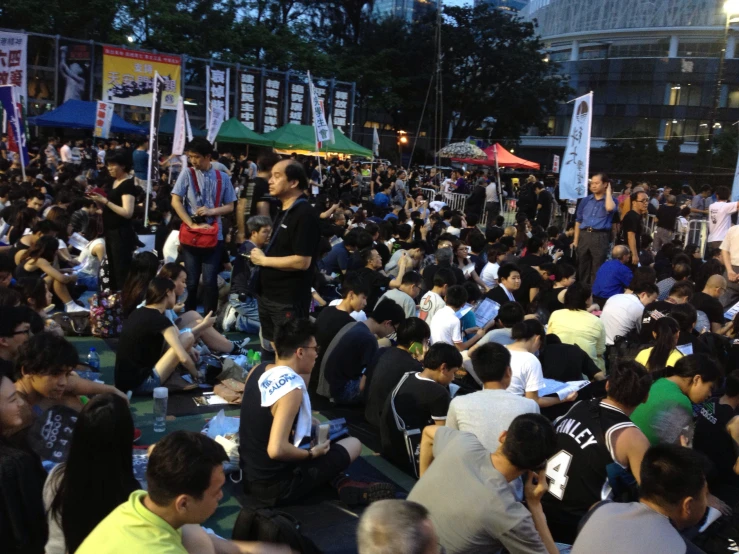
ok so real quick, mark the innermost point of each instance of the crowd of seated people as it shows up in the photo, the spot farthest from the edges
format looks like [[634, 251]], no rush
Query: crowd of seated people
[[576, 404]]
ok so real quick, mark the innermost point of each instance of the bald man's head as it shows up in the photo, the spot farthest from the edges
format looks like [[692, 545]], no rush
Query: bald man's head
[[621, 253], [715, 286]]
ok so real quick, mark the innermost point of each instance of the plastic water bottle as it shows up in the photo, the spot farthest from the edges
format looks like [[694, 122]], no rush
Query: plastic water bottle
[[257, 357], [161, 394], [93, 360]]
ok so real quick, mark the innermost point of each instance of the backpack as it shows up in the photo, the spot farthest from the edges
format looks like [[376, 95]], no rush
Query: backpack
[[106, 314], [273, 526]]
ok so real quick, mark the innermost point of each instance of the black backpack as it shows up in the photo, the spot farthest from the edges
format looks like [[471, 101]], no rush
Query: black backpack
[[268, 525]]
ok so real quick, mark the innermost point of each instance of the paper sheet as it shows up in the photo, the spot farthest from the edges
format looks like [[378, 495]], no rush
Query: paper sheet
[[562, 390]]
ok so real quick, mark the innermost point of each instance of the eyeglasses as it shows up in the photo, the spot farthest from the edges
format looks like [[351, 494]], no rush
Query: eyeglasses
[[316, 348]]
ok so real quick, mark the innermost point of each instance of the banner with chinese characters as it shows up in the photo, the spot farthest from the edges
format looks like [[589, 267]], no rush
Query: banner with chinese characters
[[10, 103], [555, 164], [320, 126], [247, 91], [217, 85], [573, 177], [103, 119], [296, 112], [74, 71], [272, 102], [128, 77], [341, 107], [13, 48]]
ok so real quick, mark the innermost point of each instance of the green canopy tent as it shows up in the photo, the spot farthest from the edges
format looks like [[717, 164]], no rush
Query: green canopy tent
[[234, 131], [297, 138]]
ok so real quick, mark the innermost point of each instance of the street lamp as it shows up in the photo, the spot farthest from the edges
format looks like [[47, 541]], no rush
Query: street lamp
[[402, 139]]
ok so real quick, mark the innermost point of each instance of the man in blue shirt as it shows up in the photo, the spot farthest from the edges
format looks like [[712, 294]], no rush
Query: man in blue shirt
[[141, 165], [199, 211], [337, 260], [614, 276], [593, 227], [381, 198]]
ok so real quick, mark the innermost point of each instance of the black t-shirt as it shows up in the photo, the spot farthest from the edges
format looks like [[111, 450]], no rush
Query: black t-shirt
[[377, 284], [298, 235], [140, 347], [242, 270], [254, 435], [112, 220], [710, 305], [530, 279], [388, 371], [545, 200], [430, 271], [666, 216], [712, 438], [566, 362], [260, 193], [632, 222], [328, 324], [652, 313], [350, 357], [419, 403]]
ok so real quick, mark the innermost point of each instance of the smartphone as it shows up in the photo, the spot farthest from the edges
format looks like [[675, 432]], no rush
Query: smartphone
[[323, 429]]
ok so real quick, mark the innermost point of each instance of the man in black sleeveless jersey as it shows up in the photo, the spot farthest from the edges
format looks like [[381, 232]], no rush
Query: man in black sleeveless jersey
[[591, 436]]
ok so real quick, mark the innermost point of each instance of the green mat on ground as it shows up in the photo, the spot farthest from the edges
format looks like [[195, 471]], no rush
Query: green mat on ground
[[222, 521]]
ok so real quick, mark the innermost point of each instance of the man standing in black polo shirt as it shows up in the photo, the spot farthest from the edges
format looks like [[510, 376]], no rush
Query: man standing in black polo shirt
[[632, 226], [286, 264]]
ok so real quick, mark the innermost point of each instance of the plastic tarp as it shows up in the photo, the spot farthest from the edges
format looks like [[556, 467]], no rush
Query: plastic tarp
[[235, 131], [302, 137], [505, 159], [78, 114]]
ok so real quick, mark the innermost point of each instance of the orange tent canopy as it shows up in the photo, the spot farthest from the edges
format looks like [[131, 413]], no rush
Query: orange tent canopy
[[505, 159]]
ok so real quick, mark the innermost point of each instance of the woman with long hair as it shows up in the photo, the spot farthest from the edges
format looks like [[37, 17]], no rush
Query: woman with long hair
[[24, 219], [664, 352], [667, 415], [118, 207], [462, 260], [97, 476], [36, 295], [39, 261], [552, 291], [140, 366], [190, 320], [60, 218], [575, 325], [40, 229], [92, 255], [143, 269], [22, 520]]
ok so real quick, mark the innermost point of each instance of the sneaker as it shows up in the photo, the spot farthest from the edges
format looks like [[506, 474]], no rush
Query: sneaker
[[72, 307], [229, 319], [356, 493], [238, 350]]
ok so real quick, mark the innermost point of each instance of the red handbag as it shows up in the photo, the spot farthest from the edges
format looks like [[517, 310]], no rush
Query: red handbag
[[202, 238]]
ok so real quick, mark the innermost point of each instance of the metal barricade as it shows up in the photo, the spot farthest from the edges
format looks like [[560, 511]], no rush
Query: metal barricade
[[697, 234], [456, 201], [428, 193], [651, 223]]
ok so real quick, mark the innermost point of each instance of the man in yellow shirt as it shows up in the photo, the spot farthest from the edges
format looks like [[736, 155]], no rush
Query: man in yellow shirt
[[184, 477]]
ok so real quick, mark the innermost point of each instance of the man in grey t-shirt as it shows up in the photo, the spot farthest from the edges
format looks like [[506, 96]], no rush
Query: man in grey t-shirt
[[466, 488], [673, 496], [489, 412]]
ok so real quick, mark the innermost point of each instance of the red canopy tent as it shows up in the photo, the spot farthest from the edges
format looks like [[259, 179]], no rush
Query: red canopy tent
[[505, 159]]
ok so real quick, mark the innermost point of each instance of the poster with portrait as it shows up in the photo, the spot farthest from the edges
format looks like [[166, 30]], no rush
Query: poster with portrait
[[74, 71]]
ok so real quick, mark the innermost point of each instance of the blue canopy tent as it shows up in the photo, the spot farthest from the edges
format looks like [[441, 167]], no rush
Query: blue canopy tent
[[78, 114], [167, 122]]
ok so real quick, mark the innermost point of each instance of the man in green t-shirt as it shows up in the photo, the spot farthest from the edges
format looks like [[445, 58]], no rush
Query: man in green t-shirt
[[184, 477]]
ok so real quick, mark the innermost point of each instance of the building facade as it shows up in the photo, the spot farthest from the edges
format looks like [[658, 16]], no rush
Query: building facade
[[505, 5], [407, 10], [653, 67]]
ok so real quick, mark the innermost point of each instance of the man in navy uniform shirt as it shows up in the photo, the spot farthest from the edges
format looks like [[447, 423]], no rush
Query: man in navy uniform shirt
[[593, 227]]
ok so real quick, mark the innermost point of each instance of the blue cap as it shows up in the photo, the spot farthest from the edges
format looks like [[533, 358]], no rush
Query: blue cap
[[92, 349]]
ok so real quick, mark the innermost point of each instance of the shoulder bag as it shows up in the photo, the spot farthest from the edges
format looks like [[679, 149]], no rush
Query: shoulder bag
[[201, 238], [411, 437]]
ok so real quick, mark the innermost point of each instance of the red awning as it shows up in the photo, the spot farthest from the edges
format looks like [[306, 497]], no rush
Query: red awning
[[505, 159]]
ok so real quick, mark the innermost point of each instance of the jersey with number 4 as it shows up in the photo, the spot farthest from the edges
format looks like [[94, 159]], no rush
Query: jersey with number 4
[[577, 473]]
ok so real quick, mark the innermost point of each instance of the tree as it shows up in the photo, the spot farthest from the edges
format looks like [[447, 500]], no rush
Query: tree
[[725, 150], [671, 154], [494, 66]]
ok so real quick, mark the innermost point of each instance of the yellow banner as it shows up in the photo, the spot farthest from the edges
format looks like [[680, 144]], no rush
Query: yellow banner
[[128, 75]]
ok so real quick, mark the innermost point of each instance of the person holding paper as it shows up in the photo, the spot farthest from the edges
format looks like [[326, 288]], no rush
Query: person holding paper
[[592, 436]]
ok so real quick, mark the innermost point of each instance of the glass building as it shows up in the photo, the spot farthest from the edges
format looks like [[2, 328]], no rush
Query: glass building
[[652, 66], [505, 5], [408, 10]]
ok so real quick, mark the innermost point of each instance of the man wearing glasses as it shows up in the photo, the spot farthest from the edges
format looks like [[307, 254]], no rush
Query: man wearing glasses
[[632, 226], [15, 328]]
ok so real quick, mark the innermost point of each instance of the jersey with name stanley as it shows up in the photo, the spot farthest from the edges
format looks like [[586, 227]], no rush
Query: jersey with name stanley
[[577, 472]]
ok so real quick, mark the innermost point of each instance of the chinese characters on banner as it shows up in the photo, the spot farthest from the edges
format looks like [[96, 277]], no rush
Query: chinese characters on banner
[[13, 60], [341, 107], [555, 164], [272, 104], [128, 77], [323, 133], [247, 92], [296, 101], [10, 104], [573, 180], [218, 83], [103, 119]]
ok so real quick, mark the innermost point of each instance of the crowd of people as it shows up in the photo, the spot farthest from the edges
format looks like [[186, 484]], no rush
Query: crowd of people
[[549, 380]]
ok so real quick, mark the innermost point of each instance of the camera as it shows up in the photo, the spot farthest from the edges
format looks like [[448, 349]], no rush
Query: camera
[[198, 219]]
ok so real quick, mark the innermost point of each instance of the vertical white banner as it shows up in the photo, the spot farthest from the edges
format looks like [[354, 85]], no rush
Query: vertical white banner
[[735, 185], [555, 164], [13, 67], [573, 177], [216, 120], [178, 142], [217, 82], [103, 119], [319, 119], [375, 142]]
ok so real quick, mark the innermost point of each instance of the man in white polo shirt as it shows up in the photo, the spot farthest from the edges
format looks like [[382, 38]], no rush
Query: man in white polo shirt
[[719, 217], [623, 312]]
